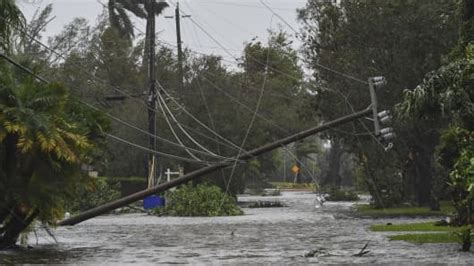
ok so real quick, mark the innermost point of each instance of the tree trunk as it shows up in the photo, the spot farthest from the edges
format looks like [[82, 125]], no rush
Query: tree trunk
[[372, 186], [18, 223], [4, 214], [333, 173], [424, 176]]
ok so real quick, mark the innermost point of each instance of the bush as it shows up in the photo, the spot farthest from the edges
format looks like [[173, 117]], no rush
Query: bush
[[97, 192], [464, 236], [342, 195], [200, 200]]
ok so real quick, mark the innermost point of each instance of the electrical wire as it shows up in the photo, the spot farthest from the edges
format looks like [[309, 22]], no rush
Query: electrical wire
[[276, 14], [325, 67], [250, 126], [183, 130], [146, 132], [160, 104], [30, 72], [170, 113], [195, 118], [302, 164], [95, 108], [304, 60], [167, 155]]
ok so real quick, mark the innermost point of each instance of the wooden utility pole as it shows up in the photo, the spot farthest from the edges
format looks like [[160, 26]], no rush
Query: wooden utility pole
[[152, 96], [200, 172], [179, 43], [180, 48]]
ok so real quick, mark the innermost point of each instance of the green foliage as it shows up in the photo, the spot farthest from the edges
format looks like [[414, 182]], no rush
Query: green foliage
[[200, 200], [120, 20], [445, 92], [420, 227], [426, 238], [45, 138], [97, 191], [445, 234], [462, 186], [10, 18], [465, 238], [369, 210], [402, 50], [342, 195]]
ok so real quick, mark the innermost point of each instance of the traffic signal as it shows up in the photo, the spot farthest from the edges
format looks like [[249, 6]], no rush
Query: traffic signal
[[384, 135]]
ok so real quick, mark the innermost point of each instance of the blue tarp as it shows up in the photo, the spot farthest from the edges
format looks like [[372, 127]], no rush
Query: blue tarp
[[153, 201]]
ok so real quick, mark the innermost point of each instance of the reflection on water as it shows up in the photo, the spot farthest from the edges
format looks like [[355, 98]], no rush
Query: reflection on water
[[280, 235]]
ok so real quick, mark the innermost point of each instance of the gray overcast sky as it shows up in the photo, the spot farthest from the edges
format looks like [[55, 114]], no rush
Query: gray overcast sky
[[231, 22]]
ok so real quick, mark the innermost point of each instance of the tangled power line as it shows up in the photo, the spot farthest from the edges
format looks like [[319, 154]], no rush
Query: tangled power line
[[168, 113]]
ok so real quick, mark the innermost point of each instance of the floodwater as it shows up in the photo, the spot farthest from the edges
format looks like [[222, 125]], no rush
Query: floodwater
[[265, 235]]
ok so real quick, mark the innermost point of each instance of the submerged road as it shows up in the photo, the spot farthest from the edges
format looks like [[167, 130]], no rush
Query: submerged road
[[267, 235]]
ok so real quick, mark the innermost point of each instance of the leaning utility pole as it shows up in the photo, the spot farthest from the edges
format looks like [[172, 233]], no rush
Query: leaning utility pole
[[152, 96], [211, 168], [177, 17]]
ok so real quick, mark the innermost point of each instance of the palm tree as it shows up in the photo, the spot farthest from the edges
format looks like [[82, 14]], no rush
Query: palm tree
[[10, 18], [120, 20], [44, 139]]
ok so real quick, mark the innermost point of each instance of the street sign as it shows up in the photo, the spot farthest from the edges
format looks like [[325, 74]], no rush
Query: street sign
[[295, 169]]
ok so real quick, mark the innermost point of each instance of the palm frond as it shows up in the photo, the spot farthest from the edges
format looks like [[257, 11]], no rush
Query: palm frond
[[159, 7], [12, 18], [134, 7], [126, 26]]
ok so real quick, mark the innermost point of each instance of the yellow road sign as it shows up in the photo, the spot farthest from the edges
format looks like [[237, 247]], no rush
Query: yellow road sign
[[295, 169]]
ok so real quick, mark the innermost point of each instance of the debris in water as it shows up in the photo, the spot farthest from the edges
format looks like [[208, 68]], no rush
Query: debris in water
[[321, 252], [362, 252]]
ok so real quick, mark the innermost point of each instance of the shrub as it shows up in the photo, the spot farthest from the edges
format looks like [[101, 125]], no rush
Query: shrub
[[200, 200], [97, 192], [464, 236], [342, 195]]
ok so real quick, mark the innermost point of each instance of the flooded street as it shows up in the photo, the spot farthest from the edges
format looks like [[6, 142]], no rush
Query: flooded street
[[266, 235]]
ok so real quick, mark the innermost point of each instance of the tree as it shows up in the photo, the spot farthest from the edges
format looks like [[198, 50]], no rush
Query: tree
[[10, 18], [233, 96], [142, 8], [400, 41], [446, 94], [120, 20], [45, 137]]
